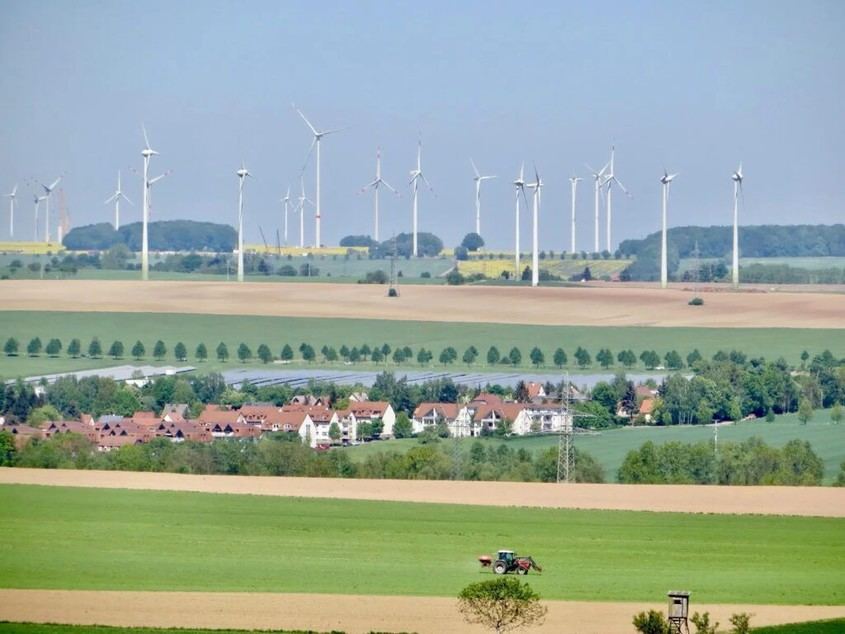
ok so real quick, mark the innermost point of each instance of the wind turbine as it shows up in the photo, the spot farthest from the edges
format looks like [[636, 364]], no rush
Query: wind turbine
[[116, 196], [147, 153], [378, 182], [478, 178], [737, 179], [11, 197], [598, 182], [609, 180], [302, 200], [286, 202], [37, 200], [535, 256], [242, 174], [573, 180], [48, 192], [416, 176], [664, 268], [519, 186], [318, 135]]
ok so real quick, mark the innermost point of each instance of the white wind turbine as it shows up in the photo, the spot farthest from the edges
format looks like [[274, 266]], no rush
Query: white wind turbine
[[286, 202], [537, 185], [115, 197], [666, 179], [573, 180], [478, 178], [147, 153], [318, 135], [598, 182], [416, 176], [48, 192], [242, 173], [302, 200], [37, 200], [11, 196], [737, 179], [374, 185], [519, 187], [609, 180]]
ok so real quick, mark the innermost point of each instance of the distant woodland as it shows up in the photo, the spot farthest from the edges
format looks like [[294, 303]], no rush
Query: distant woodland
[[164, 235]]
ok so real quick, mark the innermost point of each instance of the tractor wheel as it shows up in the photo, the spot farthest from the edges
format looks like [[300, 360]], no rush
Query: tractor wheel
[[500, 567], [522, 571]]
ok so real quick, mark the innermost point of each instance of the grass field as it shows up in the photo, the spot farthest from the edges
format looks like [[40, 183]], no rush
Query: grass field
[[832, 626], [609, 447], [276, 331], [68, 538]]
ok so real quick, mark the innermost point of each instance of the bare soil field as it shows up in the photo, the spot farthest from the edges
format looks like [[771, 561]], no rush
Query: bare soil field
[[804, 501], [350, 613], [587, 306]]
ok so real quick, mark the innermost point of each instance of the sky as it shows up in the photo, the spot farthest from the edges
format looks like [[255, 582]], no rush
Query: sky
[[692, 87]]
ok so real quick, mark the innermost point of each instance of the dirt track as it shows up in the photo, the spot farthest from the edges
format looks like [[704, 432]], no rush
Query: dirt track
[[426, 615], [590, 306], [808, 501]]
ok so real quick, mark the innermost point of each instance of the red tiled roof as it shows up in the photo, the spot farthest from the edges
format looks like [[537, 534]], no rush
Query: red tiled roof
[[214, 414], [448, 411]]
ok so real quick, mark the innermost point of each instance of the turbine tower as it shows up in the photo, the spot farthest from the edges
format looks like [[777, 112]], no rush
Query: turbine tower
[[573, 180], [598, 182], [416, 176], [147, 153], [610, 179], [378, 182], [11, 197], [115, 197], [318, 135], [478, 178], [664, 268], [242, 174], [737, 179], [302, 200], [286, 202], [37, 200], [48, 192], [519, 186], [535, 255]]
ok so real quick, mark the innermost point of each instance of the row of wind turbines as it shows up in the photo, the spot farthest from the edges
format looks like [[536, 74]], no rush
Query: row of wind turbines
[[45, 198]]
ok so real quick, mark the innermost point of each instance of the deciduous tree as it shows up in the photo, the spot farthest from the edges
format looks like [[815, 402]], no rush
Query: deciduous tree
[[180, 351], [116, 350], [222, 352], [159, 350], [33, 348], [74, 348], [138, 350], [501, 605]]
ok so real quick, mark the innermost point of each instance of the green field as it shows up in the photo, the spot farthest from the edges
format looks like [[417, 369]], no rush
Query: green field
[[609, 447], [98, 539], [276, 331], [832, 626]]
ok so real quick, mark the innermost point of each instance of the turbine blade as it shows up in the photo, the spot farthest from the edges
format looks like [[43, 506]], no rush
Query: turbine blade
[[146, 139], [126, 198], [307, 122], [475, 169], [110, 199], [308, 155], [389, 186]]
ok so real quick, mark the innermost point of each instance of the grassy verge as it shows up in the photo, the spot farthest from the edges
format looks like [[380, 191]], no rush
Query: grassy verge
[[98, 539], [831, 626], [276, 331]]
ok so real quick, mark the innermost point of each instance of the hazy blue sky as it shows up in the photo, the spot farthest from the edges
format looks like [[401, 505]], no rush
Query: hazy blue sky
[[694, 86]]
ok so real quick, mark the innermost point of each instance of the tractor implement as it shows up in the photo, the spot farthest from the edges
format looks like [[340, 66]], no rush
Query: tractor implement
[[508, 561]]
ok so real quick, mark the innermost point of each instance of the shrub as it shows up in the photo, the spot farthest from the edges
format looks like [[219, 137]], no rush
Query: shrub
[[696, 301]]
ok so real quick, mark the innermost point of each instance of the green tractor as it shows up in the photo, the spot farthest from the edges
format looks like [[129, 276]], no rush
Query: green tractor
[[508, 561]]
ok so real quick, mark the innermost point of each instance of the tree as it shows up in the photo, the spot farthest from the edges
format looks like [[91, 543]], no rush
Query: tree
[[366, 351], [385, 349], [402, 428], [287, 353], [605, 358], [180, 351], [74, 348], [308, 353], [11, 347], [472, 242], [741, 623], [454, 277], [7, 449], [537, 357], [244, 353], [448, 355], [354, 355], [264, 353], [201, 352], [95, 349], [33, 348], [222, 352], [805, 356], [334, 432], [503, 604], [650, 359], [424, 356], [159, 350], [398, 356], [805, 411], [560, 358], [54, 347], [693, 358], [702, 623], [627, 358], [116, 350], [493, 355], [377, 356], [582, 357], [138, 350], [651, 622], [344, 352], [470, 355], [673, 360], [515, 356]]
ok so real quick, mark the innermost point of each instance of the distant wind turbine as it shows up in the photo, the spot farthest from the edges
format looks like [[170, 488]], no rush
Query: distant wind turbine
[[666, 179], [242, 173], [48, 192], [417, 176], [737, 179], [286, 202], [598, 182], [478, 178], [302, 200], [115, 197], [537, 185], [318, 135], [573, 180], [519, 187], [147, 153], [609, 180], [37, 200], [11, 197], [374, 185]]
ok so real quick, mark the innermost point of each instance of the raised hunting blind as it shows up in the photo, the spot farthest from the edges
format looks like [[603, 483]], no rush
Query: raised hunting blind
[[678, 611]]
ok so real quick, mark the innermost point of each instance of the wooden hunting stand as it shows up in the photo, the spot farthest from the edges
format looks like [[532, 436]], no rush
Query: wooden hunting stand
[[678, 612]]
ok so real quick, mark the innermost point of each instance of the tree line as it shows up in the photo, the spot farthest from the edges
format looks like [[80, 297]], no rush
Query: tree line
[[164, 235]]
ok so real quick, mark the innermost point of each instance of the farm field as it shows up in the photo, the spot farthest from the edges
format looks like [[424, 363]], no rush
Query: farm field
[[564, 268], [172, 541], [55, 628], [193, 329], [610, 446]]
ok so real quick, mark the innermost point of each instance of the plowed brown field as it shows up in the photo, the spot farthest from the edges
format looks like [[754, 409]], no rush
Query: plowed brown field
[[587, 306]]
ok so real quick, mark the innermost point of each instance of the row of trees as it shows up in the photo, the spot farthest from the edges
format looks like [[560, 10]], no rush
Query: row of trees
[[164, 235]]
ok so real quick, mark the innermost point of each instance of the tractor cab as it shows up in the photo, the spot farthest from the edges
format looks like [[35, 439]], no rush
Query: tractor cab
[[506, 556]]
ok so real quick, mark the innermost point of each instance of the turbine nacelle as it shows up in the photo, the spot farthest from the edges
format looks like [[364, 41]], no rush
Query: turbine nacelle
[[737, 175], [667, 177]]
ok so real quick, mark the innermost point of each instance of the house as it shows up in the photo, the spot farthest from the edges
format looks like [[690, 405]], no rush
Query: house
[[178, 409], [184, 430], [366, 412], [647, 406], [218, 415], [535, 390], [316, 422], [235, 429], [22, 433], [427, 415], [51, 428]]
